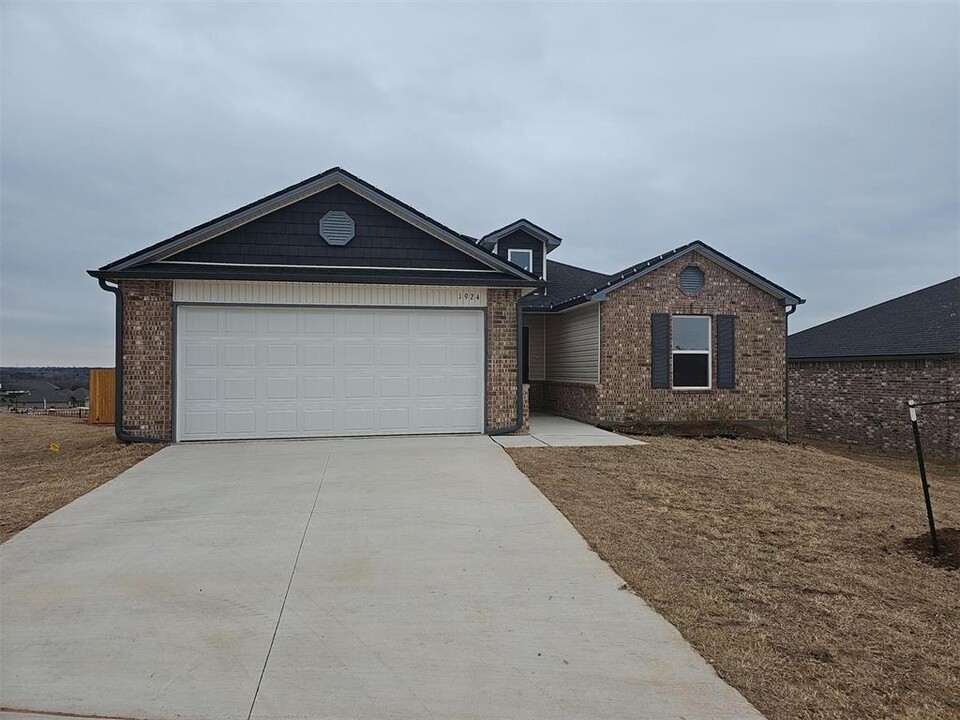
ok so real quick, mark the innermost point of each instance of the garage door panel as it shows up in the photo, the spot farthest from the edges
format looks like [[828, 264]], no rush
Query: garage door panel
[[318, 355], [253, 372], [240, 322], [242, 356], [200, 388], [282, 388], [240, 421], [359, 355], [318, 420], [394, 386], [281, 421], [319, 323], [359, 387], [315, 388], [203, 321], [395, 419], [239, 388], [395, 324], [358, 420], [282, 355], [199, 423], [200, 355], [283, 322], [395, 354]]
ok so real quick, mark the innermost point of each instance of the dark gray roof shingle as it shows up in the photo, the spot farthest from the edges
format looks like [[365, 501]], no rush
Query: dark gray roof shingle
[[925, 322], [564, 282]]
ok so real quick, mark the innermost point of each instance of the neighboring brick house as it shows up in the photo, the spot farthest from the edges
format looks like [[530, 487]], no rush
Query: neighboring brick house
[[331, 308], [851, 378]]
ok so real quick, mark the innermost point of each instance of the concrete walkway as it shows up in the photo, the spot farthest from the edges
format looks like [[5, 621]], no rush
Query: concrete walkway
[[551, 430], [385, 578]]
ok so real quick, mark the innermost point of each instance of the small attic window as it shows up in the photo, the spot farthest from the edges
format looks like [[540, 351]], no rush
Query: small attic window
[[691, 280], [337, 228]]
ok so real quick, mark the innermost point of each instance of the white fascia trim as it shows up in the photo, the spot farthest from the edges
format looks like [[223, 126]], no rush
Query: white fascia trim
[[320, 267], [319, 185]]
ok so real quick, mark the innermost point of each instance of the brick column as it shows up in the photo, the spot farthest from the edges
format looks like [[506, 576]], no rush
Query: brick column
[[147, 358], [501, 358]]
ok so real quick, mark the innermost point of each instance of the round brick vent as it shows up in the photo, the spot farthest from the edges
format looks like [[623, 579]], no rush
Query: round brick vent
[[337, 228]]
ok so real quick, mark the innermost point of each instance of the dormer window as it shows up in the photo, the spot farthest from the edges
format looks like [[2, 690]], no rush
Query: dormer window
[[521, 257]]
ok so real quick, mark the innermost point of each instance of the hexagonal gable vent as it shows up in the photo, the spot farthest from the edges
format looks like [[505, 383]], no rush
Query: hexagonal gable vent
[[337, 228], [691, 280]]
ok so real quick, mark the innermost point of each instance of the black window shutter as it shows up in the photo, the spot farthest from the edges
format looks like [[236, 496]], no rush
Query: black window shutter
[[726, 352], [660, 350]]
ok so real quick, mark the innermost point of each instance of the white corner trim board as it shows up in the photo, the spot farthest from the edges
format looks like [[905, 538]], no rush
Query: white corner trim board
[[239, 292]]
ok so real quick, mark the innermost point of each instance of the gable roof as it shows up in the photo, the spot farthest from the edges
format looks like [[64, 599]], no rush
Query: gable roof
[[610, 283], [491, 239], [334, 176], [924, 322]]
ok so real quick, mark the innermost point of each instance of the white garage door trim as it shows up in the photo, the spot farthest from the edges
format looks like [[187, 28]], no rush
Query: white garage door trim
[[271, 371]]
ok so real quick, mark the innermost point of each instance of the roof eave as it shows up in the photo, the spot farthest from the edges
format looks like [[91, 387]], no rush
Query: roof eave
[[292, 275]]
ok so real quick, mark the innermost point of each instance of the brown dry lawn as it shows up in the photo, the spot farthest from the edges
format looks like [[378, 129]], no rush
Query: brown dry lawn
[[783, 565], [35, 481]]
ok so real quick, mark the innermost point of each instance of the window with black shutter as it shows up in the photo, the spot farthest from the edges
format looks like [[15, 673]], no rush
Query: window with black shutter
[[690, 348]]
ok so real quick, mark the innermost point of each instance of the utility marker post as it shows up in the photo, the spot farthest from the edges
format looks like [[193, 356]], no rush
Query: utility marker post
[[923, 476]]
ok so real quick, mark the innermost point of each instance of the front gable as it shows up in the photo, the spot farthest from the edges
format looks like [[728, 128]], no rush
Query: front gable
[[333, 227], [292, 236]]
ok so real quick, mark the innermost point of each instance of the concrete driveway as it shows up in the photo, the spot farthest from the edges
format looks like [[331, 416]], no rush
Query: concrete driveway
[[376, 578]]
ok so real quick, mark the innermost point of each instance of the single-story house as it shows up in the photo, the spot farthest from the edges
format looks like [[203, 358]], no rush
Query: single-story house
[[331, 308], [40, 394], [851, 378]]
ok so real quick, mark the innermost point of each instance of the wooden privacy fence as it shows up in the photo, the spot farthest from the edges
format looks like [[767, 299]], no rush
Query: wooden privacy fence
[[102, 395]]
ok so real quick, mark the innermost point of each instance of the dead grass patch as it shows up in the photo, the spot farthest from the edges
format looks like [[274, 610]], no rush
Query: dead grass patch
[[36, 481], [784, 565]]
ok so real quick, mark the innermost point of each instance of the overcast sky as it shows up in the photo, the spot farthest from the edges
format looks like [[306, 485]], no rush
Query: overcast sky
[[815, 143]]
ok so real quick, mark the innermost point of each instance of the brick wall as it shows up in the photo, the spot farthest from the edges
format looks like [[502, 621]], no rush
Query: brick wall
[[147, 357], [501, 358], [863, 402], [573, 400], [625, 395]]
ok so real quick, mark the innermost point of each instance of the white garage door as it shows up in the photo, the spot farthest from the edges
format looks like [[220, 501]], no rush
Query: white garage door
[[260, 372]]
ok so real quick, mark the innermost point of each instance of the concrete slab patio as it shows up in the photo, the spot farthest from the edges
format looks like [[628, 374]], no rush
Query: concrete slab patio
[[555, 431], [385, 578]]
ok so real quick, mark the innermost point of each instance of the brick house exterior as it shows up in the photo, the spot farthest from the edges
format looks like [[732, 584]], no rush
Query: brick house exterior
[[851, 378], [863, 402], [331, 308], [624, 393]]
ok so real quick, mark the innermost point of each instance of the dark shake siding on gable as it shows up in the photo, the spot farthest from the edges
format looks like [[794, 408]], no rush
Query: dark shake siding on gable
[[291, 236], [521, 240]]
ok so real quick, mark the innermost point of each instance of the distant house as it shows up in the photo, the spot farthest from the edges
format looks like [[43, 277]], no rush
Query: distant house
[[39, 394], [851, 378]]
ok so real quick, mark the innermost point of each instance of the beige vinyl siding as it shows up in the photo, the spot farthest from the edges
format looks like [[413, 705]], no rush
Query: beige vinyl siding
[[538, 358], [573, 345], [241, 292]]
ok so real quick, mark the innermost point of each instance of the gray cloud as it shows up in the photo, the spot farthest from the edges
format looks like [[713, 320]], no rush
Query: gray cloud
[[815, 143]]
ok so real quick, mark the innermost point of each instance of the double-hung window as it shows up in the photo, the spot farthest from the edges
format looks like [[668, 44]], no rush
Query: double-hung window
[[691, 352], [521, 257]]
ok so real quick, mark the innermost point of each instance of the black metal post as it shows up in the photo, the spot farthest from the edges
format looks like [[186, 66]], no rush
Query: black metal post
[[923, 477]]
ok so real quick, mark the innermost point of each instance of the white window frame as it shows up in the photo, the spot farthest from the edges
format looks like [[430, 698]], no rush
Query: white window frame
[[514, 251], [708, 351]]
